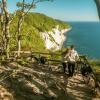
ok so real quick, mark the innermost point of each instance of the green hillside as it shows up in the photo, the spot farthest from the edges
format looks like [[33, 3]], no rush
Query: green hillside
[[32, 25]]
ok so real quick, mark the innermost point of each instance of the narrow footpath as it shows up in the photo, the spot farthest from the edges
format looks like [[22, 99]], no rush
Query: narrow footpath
[[39, 83], [78, 90]]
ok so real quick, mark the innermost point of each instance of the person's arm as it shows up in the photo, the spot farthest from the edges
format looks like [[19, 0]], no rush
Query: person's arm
[[77, 56], [66, 56]]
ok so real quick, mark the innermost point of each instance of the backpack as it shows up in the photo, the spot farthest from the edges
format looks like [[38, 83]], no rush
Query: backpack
[[85, 69], [43, 60]]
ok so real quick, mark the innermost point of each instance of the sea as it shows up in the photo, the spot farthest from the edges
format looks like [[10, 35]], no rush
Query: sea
[[86, 38]]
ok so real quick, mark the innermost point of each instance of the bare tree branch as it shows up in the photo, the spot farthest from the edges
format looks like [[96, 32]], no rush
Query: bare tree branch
[[6, 27], [12, 17]]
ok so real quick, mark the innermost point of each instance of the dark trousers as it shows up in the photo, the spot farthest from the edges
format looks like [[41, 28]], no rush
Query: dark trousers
[[64, 67], [71, 68]]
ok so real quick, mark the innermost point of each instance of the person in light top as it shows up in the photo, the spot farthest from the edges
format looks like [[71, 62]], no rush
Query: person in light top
[[72, 57]]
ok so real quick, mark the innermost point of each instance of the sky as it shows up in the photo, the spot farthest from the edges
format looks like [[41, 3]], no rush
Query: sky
[[66, 10]]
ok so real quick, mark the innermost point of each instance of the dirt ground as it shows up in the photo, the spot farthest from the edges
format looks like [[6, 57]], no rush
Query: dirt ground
[[32, 82]]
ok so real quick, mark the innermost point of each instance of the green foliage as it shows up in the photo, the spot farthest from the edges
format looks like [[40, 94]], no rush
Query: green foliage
[[31, 5], [25, 5], [43, 22], [62, 24], [33, 24], [22, 61], [96, 68], [44, 0]]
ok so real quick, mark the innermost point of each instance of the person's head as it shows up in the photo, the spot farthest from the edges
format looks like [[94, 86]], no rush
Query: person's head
[[72, 47]]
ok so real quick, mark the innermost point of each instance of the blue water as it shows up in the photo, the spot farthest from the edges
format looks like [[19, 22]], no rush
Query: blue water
[[86, 38]]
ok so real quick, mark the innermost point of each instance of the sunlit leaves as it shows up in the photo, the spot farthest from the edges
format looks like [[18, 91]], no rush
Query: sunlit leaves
[[45, 0], [26, 5]]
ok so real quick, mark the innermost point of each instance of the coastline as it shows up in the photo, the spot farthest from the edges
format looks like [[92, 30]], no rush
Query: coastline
[[65, 37], [66, 30], [85, 36], [55, 38]]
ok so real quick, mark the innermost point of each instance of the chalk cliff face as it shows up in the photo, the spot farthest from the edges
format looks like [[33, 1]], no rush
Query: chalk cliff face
[[54, 39]]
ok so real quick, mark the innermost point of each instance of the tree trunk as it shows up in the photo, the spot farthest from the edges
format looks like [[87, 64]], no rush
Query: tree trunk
[[2, 27], [19, 29], [6, 31], [98, 6]]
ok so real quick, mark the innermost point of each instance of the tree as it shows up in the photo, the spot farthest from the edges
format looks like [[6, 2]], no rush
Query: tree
[[2, 25], [98, 6], [5, 26], [5, 21], [24, 6]]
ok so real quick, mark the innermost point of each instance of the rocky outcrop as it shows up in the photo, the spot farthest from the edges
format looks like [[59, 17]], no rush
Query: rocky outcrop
[[54, 39], [4, 94]]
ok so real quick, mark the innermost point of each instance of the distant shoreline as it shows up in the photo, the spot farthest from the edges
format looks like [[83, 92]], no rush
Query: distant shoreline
[[85, 36]]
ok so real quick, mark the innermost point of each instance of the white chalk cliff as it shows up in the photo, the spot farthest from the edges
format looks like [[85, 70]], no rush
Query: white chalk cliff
[[55, 38]]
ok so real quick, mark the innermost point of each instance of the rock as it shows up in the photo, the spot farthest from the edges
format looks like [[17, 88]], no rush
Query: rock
[[5, 94]]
